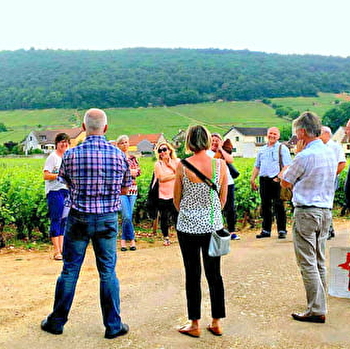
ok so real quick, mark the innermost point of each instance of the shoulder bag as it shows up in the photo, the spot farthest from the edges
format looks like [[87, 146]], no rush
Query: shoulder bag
[[152, 198], [286, 194], [233, 171], [219, 244]]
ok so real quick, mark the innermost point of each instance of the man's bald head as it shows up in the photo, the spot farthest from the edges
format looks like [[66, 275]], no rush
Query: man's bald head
[[95, 122]]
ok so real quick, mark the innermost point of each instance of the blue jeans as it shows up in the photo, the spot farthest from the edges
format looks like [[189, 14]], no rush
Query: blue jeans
[[102, 229], [128, 202]]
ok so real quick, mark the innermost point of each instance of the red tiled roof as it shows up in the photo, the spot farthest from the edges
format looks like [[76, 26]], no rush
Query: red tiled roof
[[136, 139], [51, 134]]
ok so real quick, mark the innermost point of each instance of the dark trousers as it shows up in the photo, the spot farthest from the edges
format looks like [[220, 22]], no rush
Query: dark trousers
[[168, 215], [271, 204], [191, 246], [347, 190], [229, 210]]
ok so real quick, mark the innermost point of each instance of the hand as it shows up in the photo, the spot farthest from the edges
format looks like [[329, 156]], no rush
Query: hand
[[253, 185], [300, 146]]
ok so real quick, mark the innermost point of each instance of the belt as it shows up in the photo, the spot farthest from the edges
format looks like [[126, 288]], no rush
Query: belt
[[312, 206]]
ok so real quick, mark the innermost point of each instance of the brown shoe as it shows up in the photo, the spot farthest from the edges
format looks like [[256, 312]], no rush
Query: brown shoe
[[192, 332], [216, 331], [321, 319]]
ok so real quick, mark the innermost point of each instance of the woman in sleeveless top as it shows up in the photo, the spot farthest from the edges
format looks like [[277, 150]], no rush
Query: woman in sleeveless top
[[195, 200]]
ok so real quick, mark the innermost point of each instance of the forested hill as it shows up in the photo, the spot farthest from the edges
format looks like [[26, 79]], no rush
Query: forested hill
[[141, 77]]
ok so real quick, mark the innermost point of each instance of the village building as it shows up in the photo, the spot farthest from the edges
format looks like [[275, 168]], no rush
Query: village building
[[143, 144], [246, 141], [340, 137], [45, 140]]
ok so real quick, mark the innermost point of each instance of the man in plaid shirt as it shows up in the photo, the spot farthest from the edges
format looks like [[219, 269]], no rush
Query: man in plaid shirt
[[97, 173]]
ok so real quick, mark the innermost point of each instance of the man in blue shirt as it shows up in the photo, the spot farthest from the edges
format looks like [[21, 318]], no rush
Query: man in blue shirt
[[312, 175], [97, 173], [267, 166]]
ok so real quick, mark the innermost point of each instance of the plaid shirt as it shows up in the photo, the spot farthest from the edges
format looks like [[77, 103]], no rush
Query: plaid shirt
[[95, 171]]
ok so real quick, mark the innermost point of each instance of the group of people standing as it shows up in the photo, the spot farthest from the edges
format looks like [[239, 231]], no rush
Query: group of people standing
[[101, 181]]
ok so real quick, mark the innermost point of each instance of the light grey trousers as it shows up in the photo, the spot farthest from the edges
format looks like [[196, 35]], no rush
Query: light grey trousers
[[310, 231]]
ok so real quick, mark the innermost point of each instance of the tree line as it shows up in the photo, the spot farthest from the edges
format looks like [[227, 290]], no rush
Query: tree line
[[142, 77]]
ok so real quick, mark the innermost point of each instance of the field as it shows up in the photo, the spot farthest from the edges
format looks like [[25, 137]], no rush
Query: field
[[218, 117], [23, 205], [319, 105]]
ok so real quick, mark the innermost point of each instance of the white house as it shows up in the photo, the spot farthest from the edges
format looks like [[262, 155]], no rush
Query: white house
[[246, 141], [344, 140], [45, 140]]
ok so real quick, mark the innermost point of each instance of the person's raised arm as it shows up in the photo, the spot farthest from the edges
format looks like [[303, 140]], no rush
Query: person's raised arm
[[178, 186]]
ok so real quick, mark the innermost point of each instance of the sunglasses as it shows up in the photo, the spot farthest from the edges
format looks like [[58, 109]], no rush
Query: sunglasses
[[160, 150]]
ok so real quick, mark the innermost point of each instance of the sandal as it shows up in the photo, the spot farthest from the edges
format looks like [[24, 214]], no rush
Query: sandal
[[57, 256], [166, 242], [123, 249], [189, 331], [216, 331], [132, 248]]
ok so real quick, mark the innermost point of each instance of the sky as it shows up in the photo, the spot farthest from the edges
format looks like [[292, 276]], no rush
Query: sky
[[273, 26]]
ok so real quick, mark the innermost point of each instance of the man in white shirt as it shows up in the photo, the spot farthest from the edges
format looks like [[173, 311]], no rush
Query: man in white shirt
[[311, 175], [347, 182], [326, 135]]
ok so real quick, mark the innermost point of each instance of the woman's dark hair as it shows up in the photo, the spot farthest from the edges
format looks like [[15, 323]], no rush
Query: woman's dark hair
[[61, 137]]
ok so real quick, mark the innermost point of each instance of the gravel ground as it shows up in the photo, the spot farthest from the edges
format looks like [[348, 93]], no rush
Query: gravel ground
[[262, 283]]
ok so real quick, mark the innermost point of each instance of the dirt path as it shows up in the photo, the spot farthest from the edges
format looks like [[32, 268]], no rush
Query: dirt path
[[263, 287]]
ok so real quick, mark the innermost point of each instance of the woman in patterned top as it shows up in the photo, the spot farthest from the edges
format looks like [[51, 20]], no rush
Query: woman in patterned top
[[164, 171], [199, 214], [128, 200]]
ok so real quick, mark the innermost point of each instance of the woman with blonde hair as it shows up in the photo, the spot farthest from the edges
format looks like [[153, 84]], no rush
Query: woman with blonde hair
[[199, 209], [164, 171], [128, 200]]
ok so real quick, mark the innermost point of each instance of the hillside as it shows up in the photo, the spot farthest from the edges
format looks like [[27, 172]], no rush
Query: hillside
[[141, 77], [218, 117]]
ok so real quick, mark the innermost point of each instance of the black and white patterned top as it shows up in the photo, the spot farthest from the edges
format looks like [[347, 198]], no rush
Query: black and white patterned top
[[195, 206]]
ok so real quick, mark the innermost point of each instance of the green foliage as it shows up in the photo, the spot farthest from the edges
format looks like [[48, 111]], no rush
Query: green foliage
[[141, 77], [318, 105], [23, 200], [217, 117], [3, 128], [338, 116]]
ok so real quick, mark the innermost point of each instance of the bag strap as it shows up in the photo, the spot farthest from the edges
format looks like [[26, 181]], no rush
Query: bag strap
[[280, 157], [200, 175], [207, 181]]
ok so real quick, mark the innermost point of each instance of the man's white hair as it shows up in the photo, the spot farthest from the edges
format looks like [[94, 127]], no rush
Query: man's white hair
[[326, 129], [95, 119]]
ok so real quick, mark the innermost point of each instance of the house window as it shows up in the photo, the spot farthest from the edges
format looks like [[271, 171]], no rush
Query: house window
[[30, 138], [348, 146], [42, 138], [259, 139], [234, 150], [237, 139]]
